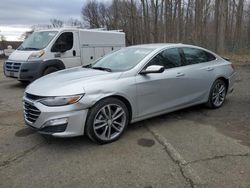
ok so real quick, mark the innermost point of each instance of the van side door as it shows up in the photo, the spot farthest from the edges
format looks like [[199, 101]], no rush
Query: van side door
[[66, 48]]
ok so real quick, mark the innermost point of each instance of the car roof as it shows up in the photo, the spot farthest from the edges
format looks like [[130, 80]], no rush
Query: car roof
[[155, 46]]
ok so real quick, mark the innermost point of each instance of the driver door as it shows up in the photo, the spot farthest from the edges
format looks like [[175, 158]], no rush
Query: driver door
[[157, 92], [71, 56]]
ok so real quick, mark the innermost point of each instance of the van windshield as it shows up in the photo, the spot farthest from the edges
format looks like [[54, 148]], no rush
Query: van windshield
[[37, 40]]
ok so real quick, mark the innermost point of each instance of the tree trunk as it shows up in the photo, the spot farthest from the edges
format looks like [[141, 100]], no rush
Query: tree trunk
[[238, 25]]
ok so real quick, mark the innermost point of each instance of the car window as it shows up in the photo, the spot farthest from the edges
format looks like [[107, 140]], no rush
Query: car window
[[66, 39], [168, 58], [195, 56]]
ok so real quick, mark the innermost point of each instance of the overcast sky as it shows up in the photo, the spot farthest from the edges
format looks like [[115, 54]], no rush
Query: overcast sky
[[17, 16], [30, 12]]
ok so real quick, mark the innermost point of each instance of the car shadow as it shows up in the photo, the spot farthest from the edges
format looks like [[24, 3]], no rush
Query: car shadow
[[71, 142], [198, 110], [84, 141], [18, 85]]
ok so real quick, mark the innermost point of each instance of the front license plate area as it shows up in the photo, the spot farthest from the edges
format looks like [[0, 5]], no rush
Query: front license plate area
[[12, 74]]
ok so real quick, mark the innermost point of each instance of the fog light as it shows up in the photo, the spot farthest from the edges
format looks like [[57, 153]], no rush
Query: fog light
[[54, 122]]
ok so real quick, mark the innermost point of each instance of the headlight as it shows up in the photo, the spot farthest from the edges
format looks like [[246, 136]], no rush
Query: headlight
[[35, 55], [61, 101]]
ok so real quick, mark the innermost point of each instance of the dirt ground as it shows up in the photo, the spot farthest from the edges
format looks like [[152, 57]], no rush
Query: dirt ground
[[194, 147]]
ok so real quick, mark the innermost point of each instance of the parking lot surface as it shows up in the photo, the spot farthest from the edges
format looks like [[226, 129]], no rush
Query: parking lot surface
[[194, 147]]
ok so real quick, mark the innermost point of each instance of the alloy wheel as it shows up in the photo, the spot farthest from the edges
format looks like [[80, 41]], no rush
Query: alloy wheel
[[109, 122], [219, 93]]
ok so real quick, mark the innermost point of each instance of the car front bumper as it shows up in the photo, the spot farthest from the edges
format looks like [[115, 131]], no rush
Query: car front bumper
[[63, 121]]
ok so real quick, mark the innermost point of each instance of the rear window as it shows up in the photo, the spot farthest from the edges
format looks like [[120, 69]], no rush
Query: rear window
[[195, 56]]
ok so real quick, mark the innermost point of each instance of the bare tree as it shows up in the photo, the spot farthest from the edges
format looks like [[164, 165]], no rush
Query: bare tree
[[221, 18], [56, 23], [239, 14], [220, 25], [90, 14], [74, 22]]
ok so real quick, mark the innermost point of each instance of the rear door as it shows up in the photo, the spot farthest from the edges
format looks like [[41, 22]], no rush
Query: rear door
[[199, 73]]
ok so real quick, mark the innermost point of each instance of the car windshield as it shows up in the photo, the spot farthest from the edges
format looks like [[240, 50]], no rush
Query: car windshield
[[122, 60], [37, 40]]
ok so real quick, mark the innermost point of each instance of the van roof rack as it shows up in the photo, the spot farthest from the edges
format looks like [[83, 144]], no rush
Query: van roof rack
[[101, 29]]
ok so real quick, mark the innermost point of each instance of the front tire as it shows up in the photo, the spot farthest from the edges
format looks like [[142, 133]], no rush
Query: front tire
[[107, 120], [217, 94]]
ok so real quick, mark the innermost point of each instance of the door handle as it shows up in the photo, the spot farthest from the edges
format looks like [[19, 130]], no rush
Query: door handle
[[179, 74], [209, 68], [74, 53]]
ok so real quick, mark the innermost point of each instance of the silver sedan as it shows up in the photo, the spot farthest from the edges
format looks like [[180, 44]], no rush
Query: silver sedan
[[132, 84]]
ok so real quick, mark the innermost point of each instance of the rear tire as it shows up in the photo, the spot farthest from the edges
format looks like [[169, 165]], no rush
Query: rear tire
[[217, 94], [50, 70], [107, 121]]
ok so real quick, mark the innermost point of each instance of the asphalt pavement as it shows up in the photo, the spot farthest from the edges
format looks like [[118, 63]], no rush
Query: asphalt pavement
[[194, 147]]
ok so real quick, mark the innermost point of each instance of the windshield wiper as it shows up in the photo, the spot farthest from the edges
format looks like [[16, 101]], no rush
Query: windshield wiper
[[102, 68], [30, 48], [87, 66], [97, 68]]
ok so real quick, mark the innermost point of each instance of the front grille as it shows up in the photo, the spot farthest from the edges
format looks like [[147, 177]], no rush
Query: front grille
[[12, 66], [31, 113]]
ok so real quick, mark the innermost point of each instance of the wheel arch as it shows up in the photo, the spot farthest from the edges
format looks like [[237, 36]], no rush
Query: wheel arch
[[53, 63], [225, 80], [124, 100]]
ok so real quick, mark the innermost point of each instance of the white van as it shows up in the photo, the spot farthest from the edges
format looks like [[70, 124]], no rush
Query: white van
[[47, 51]]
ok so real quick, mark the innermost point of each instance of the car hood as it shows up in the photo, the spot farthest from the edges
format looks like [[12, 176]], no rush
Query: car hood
[[68, 82]]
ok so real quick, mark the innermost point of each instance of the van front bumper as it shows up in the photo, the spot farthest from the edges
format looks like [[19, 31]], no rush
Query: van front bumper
[[23, 71], [63, 121]]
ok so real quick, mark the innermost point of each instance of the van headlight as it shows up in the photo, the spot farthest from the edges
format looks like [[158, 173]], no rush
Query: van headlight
[[61, 101], [36, 55]]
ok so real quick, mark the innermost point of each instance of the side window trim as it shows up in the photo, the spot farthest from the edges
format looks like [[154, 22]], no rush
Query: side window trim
[[183, 59]]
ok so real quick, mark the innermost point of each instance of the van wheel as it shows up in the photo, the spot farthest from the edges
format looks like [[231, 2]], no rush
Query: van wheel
[[217, 94], [107, 120], [50, 70]]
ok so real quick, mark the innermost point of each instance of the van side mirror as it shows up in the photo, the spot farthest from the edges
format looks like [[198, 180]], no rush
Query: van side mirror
[[59, 47], [153, 69]]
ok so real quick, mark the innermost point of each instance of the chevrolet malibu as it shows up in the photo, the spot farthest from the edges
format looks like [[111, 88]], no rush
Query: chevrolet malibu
[[132, 84]]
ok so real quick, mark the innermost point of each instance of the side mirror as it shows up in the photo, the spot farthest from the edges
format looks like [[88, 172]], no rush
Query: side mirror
[[153, 69], [59, 47]]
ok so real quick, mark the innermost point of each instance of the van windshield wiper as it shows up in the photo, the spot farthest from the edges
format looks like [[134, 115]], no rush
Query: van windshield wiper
[[27, 48], [30, 48], [102, 68]]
